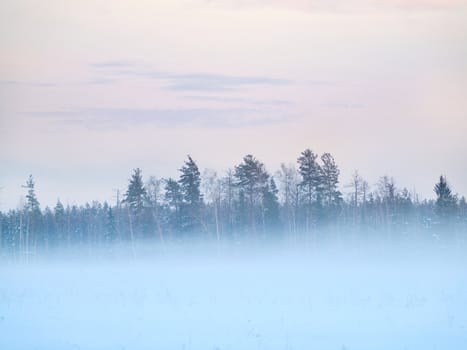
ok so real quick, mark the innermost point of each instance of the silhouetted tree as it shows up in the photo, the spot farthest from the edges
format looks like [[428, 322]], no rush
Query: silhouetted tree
[[270, 206], [251, 179], [446, 202], [173, 199], [310, 172], [331, 196], [136, 192], [190, 181]]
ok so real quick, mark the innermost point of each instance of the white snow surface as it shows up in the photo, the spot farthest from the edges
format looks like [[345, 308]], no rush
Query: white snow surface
[[218, 299]]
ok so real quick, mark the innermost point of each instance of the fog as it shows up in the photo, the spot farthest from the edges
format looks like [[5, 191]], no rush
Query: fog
[[307, 295]]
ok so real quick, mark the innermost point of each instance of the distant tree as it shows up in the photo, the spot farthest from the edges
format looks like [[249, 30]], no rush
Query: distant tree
[[387, 192], [135, 197], [403, 209], [331, 196], [60, 220], [173, 200], [387, 189], [173, 195], [212, 188], [136, 192], [288, 180], [251, 178], [310, 172], [228, 193], [49, 228], [32, 204], [110, 232], [446, 202], [463, 211], [190, 181], [270, 206], [358, 198], [33, 215], [153, 189]]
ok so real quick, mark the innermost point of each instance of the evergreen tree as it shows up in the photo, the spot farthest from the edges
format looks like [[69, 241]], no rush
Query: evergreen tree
[[173, 198], [310, 172], [136, 193], [289, 179], [110, 224], [153, 189], [32, 204], [190, 181], [33, 215], [446, 202], [251, 177], [331, 195], [212, 194], [59, 213], [173, 195], [271, 206], [228, 192]]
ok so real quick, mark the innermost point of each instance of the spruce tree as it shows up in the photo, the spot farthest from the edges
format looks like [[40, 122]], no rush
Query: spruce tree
[[190, 181], [136, 192], [110, 233], [59, 213], [33, 215], [271, 206], [446, 202], [173, 202], [310, 173], [331, 196], [251, 179], [32, 204]]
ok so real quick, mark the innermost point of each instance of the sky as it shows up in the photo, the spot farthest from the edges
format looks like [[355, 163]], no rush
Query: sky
[[90, 90]]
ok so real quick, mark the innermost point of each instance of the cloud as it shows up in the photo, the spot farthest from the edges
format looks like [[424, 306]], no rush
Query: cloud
[[238, 100], [196, 81], [94, 81], [340, 105], [109, 118], [217, 82], [351, 6], [112, 64], [26, 83]]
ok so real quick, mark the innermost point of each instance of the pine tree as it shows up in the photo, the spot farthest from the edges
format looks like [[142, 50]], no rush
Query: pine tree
[[446, 202], [59, 213], [331, 196], [136, 192], [173, 200], [32, 204], [310, 172], [212, 194], [270, 204], [110, 233], [33, 215], [190, 181], [289, 179], [251, 177], [228, 190], [153, 198]]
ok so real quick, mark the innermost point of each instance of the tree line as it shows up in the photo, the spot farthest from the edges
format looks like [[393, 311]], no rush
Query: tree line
[[300, 201]]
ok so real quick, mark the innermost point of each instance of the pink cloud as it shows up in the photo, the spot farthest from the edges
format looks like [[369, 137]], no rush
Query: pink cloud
[[341, 5]]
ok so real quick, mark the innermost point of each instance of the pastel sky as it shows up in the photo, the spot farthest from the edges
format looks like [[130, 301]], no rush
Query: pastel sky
[[90, 90]]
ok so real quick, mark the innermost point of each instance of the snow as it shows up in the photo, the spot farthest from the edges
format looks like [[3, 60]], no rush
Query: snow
[[307, 298]]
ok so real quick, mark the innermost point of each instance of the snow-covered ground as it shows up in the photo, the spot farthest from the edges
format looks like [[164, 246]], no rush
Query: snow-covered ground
[[274, 299]]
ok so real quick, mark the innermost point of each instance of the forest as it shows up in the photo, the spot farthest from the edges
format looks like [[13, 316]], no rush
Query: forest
[[299, 202]]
